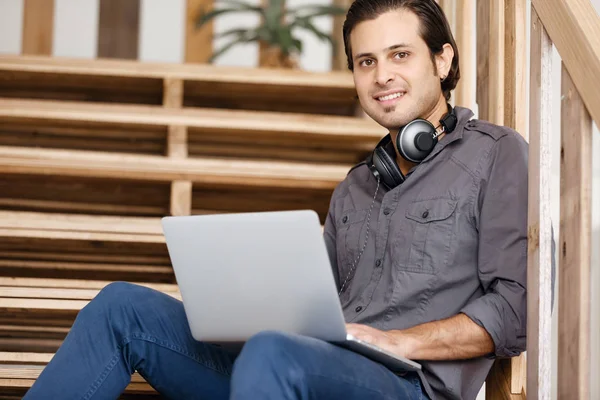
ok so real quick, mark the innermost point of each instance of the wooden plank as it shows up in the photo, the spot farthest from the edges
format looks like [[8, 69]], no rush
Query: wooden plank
[[38, 27], [233, 76], [515, 67], [118, 29], [496, 62], [207, 171], [498, 383], [274, 124], [574, 28], [515, 116], [339, 58], [173, 92], [483, 66], [198, 41], [539, 248], [465, 29], [575, 245], [75, 284], [56, 293], [181, 191]]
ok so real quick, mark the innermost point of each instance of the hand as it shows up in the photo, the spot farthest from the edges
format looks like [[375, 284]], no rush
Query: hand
[[391, 341]]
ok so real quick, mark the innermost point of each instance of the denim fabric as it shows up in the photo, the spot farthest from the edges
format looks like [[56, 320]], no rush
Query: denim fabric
[[129, 328]]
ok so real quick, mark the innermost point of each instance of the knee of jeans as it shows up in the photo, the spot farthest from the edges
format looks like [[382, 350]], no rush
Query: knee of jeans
[[116, 296], [271, 351]]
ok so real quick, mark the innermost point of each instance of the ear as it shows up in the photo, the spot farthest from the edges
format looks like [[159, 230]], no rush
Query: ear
[[443, 60]]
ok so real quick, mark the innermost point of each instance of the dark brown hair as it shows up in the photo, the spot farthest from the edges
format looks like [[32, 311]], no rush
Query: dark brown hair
[[435, 30]]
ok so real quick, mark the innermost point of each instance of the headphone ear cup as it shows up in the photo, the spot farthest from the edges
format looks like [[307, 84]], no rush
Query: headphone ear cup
[[387, 168], [411, 140]]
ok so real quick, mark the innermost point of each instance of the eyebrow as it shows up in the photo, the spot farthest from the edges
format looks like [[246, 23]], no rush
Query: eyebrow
[[393, 47]]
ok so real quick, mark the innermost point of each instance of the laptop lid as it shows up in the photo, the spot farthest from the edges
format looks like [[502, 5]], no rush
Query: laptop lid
[[240, 274]]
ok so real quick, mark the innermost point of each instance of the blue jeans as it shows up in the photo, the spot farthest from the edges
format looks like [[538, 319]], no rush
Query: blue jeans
[[129, 328]]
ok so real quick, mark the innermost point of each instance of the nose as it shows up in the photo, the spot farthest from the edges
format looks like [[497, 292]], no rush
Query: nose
[[383, 74]]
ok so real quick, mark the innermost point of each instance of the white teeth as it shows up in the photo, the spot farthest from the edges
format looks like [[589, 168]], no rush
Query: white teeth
[[391, 97]]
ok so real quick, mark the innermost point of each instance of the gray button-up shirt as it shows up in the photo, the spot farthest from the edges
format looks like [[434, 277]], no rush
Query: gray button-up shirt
[[451, 239]]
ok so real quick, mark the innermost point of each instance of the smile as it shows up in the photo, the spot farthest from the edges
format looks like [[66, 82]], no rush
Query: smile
[[390, 97]]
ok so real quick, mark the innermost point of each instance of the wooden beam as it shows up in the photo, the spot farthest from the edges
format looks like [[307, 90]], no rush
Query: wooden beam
[[515, 67], [118, 29], [574, 28], [483, 65], [340, 61], [515, 116], [210, 171], [177, 147], [465, 27], [38, 27], [198, 41], [575, 245], [496, 62], [539, 247], [498, 383]]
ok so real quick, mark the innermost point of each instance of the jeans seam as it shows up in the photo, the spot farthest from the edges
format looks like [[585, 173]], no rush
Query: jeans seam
[[98, 382], [151, 339]]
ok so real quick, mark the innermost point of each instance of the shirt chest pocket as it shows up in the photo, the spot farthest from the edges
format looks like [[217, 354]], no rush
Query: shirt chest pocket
[[427, 235], [351, 231]]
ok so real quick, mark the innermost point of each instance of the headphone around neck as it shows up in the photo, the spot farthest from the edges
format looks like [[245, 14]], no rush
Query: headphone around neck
[[415, 141]]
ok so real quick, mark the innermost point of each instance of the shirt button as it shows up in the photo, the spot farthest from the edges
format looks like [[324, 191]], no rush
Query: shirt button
[[425, 214], [378, 263], [358, 309], [345, 219], [386, 211]]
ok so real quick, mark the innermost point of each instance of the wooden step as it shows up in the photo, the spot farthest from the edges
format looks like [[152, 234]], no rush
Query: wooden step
[[83, 246], [19, 370], [36, 314], [203, 85], [283, 126], [213, 171]]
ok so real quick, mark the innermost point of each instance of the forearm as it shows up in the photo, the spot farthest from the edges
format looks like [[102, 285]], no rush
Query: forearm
[[454, 338]]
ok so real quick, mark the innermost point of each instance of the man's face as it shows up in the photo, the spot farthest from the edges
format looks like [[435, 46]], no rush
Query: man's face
[[395, 79]]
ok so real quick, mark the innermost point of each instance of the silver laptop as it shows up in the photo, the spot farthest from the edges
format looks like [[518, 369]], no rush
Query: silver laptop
[[240, 274]]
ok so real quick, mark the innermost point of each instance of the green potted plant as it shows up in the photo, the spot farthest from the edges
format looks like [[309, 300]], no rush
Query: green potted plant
[[279, 46]]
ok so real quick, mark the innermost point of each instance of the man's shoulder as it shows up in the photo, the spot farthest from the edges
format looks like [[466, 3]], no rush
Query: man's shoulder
[[492, 131]]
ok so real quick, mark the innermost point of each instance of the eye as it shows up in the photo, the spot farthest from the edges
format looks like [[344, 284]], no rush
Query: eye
[[366, 62], [401, 54]]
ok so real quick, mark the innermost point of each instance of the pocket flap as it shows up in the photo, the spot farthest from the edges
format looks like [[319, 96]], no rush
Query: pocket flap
[[424, 211], [351, 217]]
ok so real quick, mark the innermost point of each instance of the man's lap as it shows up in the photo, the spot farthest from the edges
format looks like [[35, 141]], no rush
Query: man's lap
[[304, 365]]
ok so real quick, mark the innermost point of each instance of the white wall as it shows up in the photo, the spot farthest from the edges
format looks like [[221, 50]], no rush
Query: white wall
[[11, 26], [75, 28], [162, 31]]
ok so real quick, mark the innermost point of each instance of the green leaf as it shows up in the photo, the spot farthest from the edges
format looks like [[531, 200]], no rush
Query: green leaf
[[306, 24], [206, 17], [238, 40], [237, 31]]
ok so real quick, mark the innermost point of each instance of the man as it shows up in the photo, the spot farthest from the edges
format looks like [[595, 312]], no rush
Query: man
[[430, 258]]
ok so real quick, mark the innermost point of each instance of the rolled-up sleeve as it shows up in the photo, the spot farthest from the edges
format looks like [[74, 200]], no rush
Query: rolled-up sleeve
[[501, 220]]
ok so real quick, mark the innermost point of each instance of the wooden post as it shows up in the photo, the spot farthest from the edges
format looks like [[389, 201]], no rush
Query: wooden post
[[118, 29], [515, 94], [340, 61], [575, 245], [198, 42], [38, 27], [496, 62], [177, 147], [465, 27], [483, 66], [539, 248]]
